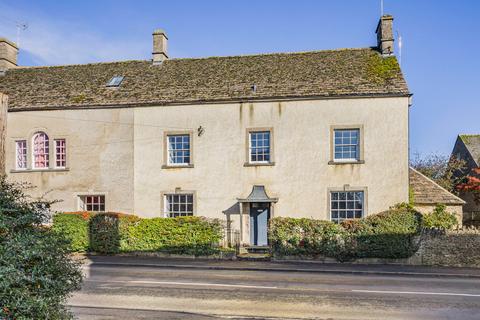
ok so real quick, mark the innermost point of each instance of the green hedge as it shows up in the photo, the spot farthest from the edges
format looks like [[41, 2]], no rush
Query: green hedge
[[386, 235], [114, 233], [74, 227], [440, 219]]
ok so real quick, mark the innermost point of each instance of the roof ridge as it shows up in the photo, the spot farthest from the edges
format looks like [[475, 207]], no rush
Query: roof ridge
[[196, 58], [455, 196]]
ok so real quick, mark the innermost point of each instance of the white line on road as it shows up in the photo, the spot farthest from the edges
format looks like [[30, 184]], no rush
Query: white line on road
[[205, 284], [420, 292]]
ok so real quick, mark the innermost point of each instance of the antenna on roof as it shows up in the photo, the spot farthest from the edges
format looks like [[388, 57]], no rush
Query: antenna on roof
[[399, 36], [21, 26]]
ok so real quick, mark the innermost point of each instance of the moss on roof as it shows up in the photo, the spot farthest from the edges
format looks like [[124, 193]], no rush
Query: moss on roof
[[345, 72]]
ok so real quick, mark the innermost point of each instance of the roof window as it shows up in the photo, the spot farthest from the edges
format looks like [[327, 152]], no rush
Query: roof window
[[115, 81]]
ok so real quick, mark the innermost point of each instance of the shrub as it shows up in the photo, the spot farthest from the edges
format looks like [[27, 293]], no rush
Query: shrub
[[389, 234], [386, 235], [73, 227], [36, 273], [290, 236], [116, 232], [182, 235], [440, 219]]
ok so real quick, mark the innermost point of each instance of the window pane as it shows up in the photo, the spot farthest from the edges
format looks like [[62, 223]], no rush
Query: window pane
[[260, 146], [40, 150], [346, 205], [179, 149], [178, 205], [346, 144]]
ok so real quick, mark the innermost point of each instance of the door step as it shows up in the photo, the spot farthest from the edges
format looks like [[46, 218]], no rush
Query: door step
[[258, 249]]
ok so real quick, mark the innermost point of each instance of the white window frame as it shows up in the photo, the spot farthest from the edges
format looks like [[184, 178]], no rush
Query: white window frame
[[24, 149], [46, 148], [353, 206], [357, 145], [169, 207], [83, 203], [171, 150], [251, 147], [63, 153]]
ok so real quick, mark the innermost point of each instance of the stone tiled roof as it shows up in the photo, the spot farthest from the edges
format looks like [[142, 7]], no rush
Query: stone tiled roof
[[472, 142], [332, 73], [426, 191]]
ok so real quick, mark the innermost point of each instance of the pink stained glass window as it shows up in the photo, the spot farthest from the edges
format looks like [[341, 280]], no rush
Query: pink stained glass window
[[40, 150], [21, 151], [60, 153]]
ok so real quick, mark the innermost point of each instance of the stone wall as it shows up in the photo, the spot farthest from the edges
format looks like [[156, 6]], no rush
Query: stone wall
[[3, 130], [458, 248]]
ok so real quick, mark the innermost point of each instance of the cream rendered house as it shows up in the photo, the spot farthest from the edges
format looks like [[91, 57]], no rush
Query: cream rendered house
[[320, 134]]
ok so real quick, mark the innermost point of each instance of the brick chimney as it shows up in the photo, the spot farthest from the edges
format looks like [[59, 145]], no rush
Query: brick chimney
[[8, 54], [160, 41], [385, 35]]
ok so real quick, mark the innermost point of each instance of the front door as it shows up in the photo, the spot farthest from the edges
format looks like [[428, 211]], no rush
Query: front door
[[259, 215]]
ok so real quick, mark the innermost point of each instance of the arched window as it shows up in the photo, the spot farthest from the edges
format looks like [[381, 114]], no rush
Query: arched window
[[40, 150]]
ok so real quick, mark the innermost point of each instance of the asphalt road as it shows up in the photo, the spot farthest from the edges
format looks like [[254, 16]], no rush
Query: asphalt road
[[144, 292]]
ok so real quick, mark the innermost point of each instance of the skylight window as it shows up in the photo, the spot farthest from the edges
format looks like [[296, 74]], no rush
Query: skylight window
[[115, 81]]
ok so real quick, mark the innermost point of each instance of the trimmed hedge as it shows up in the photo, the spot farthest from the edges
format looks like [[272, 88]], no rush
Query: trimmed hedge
[[115, 232], [386, 235]]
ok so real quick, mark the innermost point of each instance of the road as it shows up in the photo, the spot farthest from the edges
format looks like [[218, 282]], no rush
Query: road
[[146, 292]]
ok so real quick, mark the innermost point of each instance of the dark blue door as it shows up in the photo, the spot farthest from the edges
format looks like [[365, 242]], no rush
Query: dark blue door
[[259, 215]]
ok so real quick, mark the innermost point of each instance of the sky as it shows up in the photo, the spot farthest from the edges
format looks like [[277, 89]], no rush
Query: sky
[[440, 42]]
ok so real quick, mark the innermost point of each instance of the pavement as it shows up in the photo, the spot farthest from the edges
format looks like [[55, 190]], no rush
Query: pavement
[[156, 288]]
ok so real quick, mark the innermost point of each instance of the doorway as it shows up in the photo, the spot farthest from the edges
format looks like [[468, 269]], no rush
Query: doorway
[[259, 216]]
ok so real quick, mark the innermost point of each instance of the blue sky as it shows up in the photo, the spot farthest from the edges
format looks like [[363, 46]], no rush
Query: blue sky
[[439, 56]]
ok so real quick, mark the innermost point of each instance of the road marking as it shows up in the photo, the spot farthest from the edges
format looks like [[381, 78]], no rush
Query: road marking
[[186, 284], [420, 292]]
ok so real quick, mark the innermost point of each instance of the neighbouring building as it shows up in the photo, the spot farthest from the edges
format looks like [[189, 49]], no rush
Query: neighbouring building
[[427, 194], [467, 148], [321, 134]]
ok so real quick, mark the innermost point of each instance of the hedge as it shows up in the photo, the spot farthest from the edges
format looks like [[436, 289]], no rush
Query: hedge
[[114, 233], [390, 234]]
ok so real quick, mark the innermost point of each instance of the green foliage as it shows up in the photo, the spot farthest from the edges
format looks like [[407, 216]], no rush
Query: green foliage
[[385, 235], [388, 234], [36, 273], [440, 219], [182, 235], [113, 233], [305, 237], [73, 227]]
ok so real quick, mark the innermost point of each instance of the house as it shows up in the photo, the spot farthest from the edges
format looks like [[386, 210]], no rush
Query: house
[[427, 194], [467, 148], [321, 134]]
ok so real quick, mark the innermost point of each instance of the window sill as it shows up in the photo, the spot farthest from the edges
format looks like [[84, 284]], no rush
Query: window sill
[[40, 170], [258, 164], [167, 166], [346, 162]]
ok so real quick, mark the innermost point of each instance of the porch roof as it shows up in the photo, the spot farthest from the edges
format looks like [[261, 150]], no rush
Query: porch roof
[[258, 194]]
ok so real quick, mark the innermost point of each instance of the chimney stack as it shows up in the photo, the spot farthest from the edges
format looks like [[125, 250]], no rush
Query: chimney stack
[[160, 40], [385, 35], [8, 54]]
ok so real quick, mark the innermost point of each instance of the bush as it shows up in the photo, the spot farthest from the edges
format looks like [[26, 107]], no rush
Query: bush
[[386, 235], [440, 219], [306, 237], [389, 234], [73, 227], [182, 235], [115, 232], [36, 274]]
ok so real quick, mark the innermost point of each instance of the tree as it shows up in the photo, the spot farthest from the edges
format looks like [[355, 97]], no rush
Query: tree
[[36, 272], [472, 185], [448, 172]]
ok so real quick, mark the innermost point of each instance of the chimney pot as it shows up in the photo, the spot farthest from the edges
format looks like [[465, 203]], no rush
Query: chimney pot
[[385, 35], [160, 41], [8, 54]]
